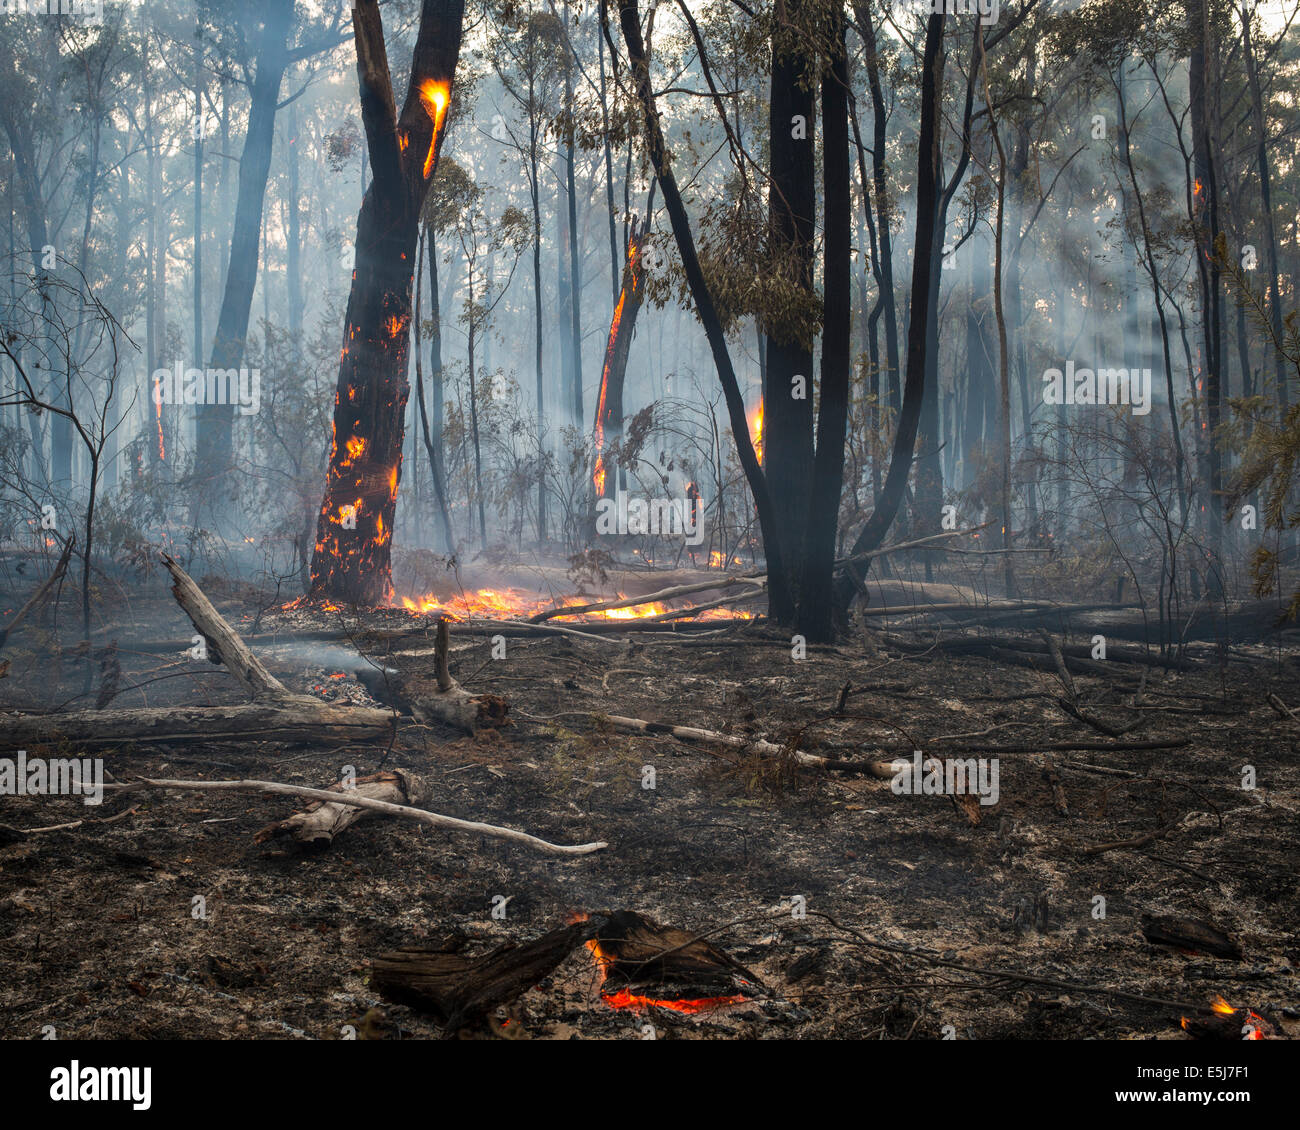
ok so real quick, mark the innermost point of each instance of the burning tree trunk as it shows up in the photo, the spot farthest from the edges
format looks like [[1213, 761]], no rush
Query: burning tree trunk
[[355, 527], [609, 401]]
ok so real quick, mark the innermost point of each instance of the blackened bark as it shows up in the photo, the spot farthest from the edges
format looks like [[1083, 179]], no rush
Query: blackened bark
[[215, 439], [816, 593], [927, 208], [884, 213], [352, 560], [630, 22], [792, 207]]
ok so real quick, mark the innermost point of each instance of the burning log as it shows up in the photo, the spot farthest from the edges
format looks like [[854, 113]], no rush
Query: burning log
[[686, 972], [458, 989], [758, 582], [1223, 1022]]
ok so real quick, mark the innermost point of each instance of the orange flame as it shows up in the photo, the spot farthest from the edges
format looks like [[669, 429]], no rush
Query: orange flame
[[435, 97], [756, 430], [625, 999], [511, 603], [1250, 1020]]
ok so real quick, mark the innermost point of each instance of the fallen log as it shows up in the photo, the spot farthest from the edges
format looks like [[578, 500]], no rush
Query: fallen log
[[322, 821], [275, 714], [764, 748], [758, 582], [296, 719], [350, 797], [223, 644], [458, 989]]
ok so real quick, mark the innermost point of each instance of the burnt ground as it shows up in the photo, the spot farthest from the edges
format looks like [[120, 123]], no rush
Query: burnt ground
[[97, 938]]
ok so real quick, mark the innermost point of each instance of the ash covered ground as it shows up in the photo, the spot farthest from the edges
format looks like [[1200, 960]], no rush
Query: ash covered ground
[[99, 940]]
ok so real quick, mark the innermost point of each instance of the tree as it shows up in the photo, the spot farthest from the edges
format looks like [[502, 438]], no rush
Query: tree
[[352, 559]]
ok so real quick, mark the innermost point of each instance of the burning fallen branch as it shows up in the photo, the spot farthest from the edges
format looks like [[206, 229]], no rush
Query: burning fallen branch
[[354, 798], [756, 582]]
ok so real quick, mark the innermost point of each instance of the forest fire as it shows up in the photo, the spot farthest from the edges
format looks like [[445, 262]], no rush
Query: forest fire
[[756, 431]]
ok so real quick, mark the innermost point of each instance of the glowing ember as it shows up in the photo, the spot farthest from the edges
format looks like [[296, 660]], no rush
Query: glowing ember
[[635, 1001], [1253, 1026]]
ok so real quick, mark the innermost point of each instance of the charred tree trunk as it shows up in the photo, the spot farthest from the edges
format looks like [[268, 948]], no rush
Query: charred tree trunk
[[293, 252], [1266, 204], [1205, 217], [630, 23], [575, 265], [927, 215], [215, 421], [816, 592], [883, 209], [792, 208], [352, 560], [609, 400], [432, 441]]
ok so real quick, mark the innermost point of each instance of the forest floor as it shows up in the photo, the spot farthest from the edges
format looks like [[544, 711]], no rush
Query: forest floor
[[99, 938]]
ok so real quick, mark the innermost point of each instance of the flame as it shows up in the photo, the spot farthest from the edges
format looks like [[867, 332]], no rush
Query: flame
[[435, 96], [394, 325], [511, 603], [756, 431], [626, 999], [1249, 1018], [356, 447], [631, 282]]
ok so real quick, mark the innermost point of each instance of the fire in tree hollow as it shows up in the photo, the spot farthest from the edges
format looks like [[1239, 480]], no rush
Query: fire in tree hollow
[[352, 559]]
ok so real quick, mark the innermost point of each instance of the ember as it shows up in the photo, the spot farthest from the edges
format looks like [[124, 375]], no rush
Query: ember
[[1228, 1023], [636, 952]]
